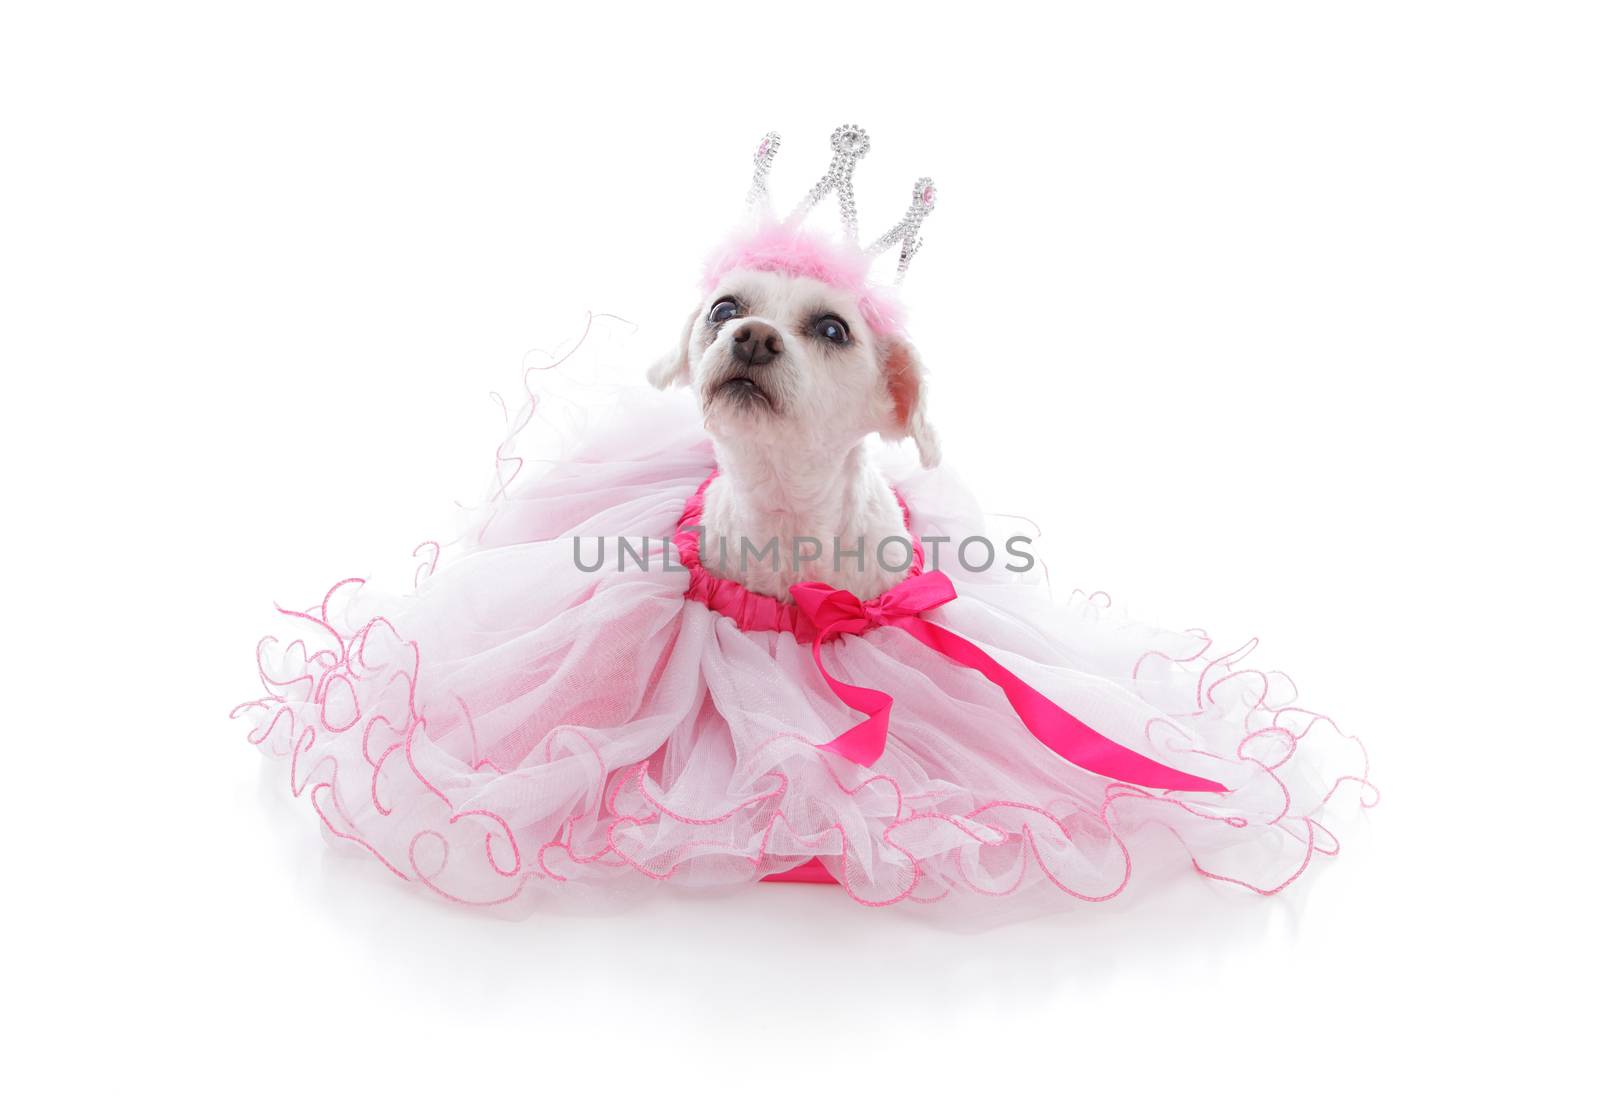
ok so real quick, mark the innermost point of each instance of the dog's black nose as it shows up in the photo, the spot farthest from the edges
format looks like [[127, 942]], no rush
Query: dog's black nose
[[757, 343]]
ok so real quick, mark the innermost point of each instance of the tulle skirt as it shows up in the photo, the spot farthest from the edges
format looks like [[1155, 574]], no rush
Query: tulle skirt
[[518, 727]]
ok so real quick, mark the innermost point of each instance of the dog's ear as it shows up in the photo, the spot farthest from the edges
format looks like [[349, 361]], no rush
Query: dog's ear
[[907, 382], [673, 369]]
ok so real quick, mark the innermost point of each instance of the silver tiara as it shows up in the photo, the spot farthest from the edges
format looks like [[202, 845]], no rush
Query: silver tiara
[[850, 144]]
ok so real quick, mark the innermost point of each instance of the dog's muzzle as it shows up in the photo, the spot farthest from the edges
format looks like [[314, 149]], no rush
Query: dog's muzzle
[[752, 347]]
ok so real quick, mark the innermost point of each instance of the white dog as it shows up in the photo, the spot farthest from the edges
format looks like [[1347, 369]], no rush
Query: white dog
[[792, 381]]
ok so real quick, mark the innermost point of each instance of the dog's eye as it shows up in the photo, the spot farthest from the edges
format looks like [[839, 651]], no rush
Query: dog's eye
[[832, 329], [724, 310]]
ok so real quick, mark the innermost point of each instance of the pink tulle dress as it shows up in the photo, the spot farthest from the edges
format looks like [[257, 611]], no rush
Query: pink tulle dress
[[516, 728]]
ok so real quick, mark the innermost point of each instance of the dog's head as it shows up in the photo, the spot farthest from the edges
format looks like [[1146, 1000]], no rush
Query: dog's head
[[782, 359]]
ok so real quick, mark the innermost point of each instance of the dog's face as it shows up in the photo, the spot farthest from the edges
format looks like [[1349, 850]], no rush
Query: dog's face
[[787, 362]]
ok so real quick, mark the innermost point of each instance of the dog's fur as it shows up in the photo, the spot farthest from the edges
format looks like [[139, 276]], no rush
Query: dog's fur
[[789, 434]]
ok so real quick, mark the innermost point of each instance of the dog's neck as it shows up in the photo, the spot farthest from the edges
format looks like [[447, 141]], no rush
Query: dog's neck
[[760, 496]]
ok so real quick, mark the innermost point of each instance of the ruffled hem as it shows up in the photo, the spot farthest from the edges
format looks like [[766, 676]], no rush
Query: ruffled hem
[[361, 750]]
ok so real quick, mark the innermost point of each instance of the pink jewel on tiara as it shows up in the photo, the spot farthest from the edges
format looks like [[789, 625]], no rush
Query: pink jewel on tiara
[[765, 152], [905, 233]]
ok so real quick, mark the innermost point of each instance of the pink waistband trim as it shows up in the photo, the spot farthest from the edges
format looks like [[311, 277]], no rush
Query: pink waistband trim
[[752, 612]]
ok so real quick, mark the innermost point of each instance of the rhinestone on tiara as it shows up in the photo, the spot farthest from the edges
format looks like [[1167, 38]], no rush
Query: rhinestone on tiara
[[765, 152], [849, 143]]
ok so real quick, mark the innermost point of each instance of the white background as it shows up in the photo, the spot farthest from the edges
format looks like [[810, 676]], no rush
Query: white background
[[1281, 319]]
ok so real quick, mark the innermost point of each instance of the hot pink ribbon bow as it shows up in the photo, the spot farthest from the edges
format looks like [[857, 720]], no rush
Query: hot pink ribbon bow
[[834, 612]]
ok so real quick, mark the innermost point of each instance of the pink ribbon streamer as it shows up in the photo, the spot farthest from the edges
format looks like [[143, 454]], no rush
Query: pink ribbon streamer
[[834, 612]]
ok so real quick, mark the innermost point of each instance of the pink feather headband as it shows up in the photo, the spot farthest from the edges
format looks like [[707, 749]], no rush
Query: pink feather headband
[[788, 249]]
